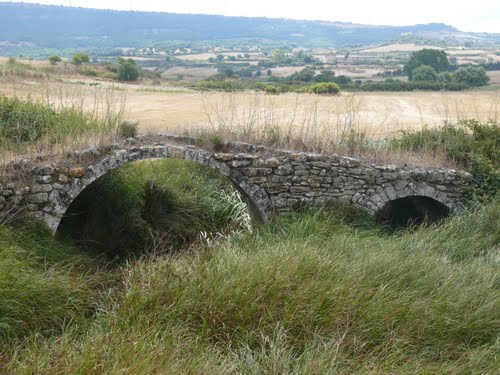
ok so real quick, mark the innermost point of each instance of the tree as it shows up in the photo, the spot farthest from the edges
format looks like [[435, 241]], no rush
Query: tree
[[305, 75], [437, 59], [326, 75], [128, 71], [471, 75], [55, 59], [80, 58], [424, 73], [269, 72]]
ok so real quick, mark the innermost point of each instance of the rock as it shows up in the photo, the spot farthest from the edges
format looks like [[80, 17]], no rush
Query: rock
[[77, 172]]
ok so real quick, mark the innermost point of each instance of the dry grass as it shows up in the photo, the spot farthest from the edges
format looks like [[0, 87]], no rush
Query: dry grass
[[494, 77], [296, 121], [97, 114], [189, 73]]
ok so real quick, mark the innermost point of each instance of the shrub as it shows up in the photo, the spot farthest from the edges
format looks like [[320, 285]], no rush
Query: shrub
[[89, 72], [128, 71], [424, 73], [471, 75], [325, 88], [80, 58], [55, 59], [472, 144], [128, 129], [271, 90], [23, 120]]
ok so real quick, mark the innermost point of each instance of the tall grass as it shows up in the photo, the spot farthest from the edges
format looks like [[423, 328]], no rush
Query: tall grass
[[157, 205], [308, 294], [45, 284], [29, 126]]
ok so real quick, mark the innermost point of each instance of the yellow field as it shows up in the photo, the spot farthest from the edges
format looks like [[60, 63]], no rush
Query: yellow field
[[167, 108]]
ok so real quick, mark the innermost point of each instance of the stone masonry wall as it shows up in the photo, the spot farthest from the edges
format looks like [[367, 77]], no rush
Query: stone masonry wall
[[272, 181]]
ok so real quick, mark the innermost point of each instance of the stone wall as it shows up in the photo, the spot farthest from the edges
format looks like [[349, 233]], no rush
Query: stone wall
[[272, 181]]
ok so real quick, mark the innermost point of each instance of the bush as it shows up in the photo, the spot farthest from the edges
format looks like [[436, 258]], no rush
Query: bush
[[471, 75], [89, 72], [26, 121], [80, 58], [55, 59], [23, 120], [324, 88], [473, 145], [128, 71], [271, 90], [424, 73], [128, 129]]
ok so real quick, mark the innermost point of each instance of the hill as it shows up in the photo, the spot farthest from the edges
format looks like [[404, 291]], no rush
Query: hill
[[29, 26]]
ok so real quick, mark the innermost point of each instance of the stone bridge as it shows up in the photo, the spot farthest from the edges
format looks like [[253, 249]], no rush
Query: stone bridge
[[271, 181]]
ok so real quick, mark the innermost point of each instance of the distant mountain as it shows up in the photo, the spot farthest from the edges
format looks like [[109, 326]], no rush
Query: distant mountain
[[56, 27]]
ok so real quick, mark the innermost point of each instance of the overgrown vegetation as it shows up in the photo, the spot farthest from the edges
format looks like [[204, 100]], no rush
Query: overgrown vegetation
[[25, 123], [317, 291], [308, 294], [472, 145], [157, 204]]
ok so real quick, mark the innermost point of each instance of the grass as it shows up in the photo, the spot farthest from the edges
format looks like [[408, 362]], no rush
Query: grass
[[320, 291], [160, 204], [29, 126], [308, 294], [45, 284]]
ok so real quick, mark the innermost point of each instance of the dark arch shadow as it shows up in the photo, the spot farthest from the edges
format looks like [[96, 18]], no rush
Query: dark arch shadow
[[81, 221], [409, 211]]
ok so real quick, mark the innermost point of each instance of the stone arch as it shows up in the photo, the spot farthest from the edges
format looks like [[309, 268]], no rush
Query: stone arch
[[256, 198], [411, 209]]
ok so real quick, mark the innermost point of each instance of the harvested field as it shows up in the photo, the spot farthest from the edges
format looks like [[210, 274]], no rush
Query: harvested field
[[377, 114]]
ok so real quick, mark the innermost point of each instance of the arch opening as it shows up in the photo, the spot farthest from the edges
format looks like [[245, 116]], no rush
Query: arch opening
[[157, 204], [410, 211]]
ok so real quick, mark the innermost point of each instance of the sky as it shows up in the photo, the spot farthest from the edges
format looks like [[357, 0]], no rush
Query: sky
[[477, 16]]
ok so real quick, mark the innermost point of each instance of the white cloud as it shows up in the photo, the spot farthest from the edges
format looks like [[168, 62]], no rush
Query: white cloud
[[481, 15]]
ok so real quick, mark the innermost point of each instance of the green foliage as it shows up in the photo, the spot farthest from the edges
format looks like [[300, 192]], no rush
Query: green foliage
[[223, 85], [138, 206], [127, 70], [272, 90], [45, 284], [25, 122], [326, 75], [473, 145], [128, 129], [89, 72], [437, 59], [471, 75], [324, 88], [424, 73], [305, 75], [80, 58], [54, 59], [396, 85], [308, 294]]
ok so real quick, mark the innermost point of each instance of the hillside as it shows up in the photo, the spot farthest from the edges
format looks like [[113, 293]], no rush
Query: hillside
[[56, 27]]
